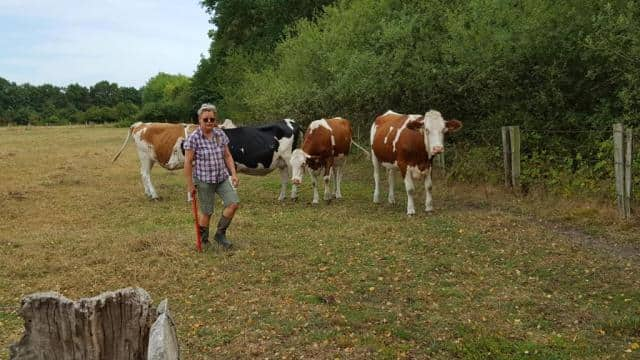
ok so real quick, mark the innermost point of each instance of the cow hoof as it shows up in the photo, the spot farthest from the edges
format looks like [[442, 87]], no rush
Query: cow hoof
[[155, 198], [429, 210]]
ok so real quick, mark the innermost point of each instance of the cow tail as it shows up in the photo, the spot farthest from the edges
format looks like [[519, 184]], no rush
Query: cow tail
[[126, 141], [365, 151]]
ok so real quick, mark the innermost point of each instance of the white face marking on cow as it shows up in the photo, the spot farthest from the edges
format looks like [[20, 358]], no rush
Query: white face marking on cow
[[435, 127], [176, 161], [298, 161], [390, 112]]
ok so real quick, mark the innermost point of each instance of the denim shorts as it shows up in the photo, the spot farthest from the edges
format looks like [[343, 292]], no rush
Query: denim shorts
[[207, 191]]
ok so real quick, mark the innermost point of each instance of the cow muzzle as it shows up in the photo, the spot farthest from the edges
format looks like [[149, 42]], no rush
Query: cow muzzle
[[296, 181], [437, 150]]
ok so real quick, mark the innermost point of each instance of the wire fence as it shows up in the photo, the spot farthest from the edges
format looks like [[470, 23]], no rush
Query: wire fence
[[579, 162]]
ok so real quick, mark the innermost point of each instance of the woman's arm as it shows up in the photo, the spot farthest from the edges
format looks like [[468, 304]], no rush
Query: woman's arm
[[231, 165]]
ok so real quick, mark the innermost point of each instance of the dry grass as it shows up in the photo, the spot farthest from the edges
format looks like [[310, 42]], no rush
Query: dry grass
[[488, 275]]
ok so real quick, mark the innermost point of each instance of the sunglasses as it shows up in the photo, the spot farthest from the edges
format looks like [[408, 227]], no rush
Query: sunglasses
[[209, 120]]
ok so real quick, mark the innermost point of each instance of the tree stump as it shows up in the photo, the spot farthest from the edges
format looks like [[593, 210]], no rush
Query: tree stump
[[113, 325]]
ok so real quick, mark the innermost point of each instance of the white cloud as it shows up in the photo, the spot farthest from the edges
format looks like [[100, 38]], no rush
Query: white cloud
[[64, 42]]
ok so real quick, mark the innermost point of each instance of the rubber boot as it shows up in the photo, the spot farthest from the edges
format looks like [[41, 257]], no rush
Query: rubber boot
[[204, 236], [221, 231]]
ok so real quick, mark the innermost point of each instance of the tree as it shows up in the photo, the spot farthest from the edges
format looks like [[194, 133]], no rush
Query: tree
[[78, 96], [130, 95], [166, 97], [104, 93], [248, 30]]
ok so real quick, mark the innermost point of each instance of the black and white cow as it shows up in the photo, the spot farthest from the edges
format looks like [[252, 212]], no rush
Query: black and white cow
[[256, 150], [260, 150]]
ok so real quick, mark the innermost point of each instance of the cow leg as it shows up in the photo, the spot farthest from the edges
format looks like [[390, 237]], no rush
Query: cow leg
[[294, 187], [376, 178], [329, 172], [391, 175], [327, 185], [428, 206], [409, 187], [284, 181], [313, 175], [339, 163], [146, 164]]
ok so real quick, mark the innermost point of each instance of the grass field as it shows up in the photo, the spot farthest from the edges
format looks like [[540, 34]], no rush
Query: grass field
[[488, 275]]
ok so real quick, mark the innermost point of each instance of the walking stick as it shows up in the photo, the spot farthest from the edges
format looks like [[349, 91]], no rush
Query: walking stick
[[194, 205]]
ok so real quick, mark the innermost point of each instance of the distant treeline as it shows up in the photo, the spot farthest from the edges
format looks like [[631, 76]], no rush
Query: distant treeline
[[164, 98]]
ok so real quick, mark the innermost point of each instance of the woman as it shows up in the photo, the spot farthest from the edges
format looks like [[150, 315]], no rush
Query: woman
[[209, 167]]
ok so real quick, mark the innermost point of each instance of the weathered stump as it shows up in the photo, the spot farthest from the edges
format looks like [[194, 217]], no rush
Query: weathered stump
[[113, 325]]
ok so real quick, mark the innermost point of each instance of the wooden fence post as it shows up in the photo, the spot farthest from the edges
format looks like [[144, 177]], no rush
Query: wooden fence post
[[511, 155], [627, 173], [506, 155], [618, 161], [514, 136], [622, 156]]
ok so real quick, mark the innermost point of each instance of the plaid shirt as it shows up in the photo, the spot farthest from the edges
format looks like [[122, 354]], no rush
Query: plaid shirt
[[209, 162]]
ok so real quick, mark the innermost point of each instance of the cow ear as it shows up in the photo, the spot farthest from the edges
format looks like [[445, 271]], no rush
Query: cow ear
[[416, 124], [453, 125]]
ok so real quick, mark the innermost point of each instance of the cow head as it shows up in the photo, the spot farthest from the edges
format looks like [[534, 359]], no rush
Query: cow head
[[301, 160], [298, 162], [434, 126]]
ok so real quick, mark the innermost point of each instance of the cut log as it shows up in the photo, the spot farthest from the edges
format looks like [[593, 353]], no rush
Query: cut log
[[113, 325]]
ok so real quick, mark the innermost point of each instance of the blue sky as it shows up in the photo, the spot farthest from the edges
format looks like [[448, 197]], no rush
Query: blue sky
[[123, 41]]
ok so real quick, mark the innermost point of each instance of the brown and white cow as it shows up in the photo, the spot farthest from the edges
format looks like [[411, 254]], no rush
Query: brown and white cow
[[325, 146], [157, 143], [408, 143]]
